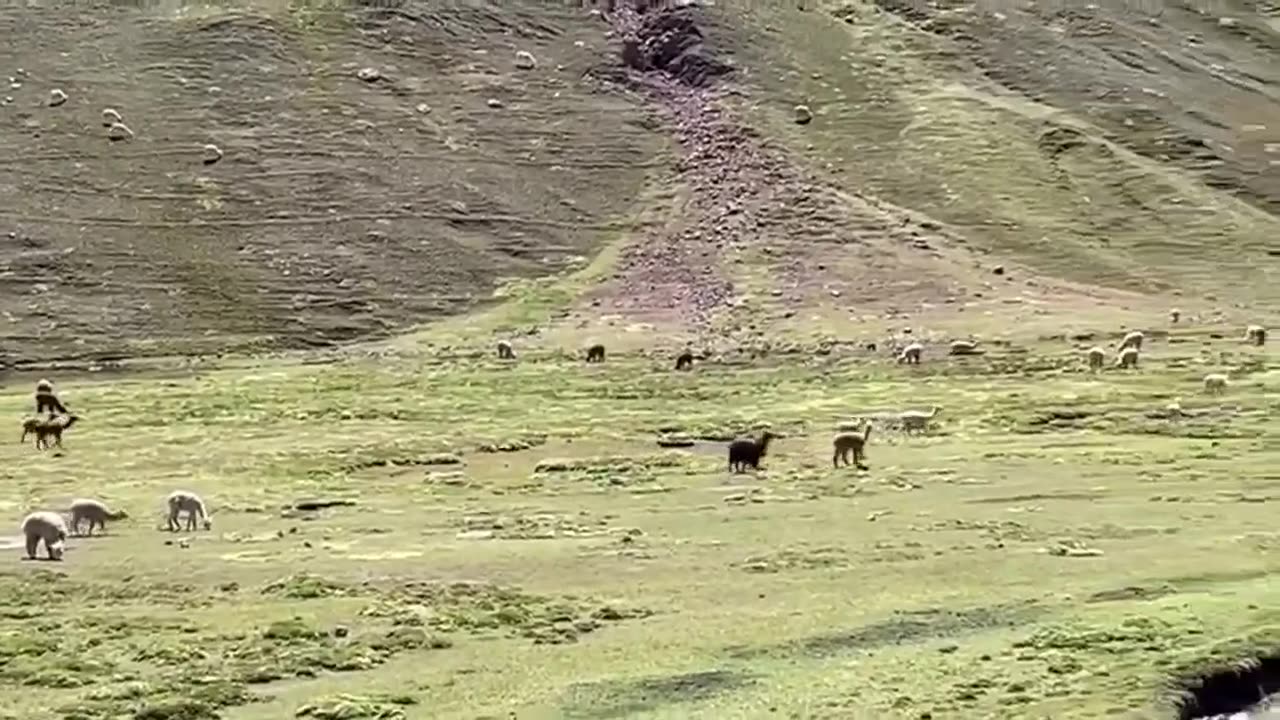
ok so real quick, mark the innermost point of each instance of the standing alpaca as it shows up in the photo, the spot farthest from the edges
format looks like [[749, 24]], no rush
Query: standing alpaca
[[505, 351], [746, 452], [851, 443], [595, 353], [684, 361], [911, 354]]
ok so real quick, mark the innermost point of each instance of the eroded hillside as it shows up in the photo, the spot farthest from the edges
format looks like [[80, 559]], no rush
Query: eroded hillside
[[346, 205], [388, 165]]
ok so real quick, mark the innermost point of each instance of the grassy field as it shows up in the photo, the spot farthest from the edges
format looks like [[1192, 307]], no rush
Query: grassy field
[[519, 545]]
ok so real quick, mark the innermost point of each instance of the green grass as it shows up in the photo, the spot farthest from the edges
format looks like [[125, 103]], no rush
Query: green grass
[[519, 542]]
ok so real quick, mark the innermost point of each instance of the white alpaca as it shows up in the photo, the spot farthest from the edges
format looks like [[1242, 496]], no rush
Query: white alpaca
[[911, 354], [48, 527], [1132, 340], [95, 512], [180, 501], [1097, 357], [1215, 383], [1128, 358], [917, 420]]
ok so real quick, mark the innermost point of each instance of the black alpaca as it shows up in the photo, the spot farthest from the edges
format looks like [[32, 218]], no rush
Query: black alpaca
[[685, 361], [595, 353], [746, 452]]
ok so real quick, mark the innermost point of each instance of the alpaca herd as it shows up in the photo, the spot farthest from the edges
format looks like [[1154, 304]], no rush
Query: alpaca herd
[[850, 448]]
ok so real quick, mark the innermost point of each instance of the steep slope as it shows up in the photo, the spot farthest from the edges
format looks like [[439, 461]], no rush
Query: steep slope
[[1130, 147], [344, 206]]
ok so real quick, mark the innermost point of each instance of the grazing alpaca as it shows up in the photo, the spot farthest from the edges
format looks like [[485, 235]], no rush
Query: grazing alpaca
[[1128, 358], [44, 429], [46, 526], [595, 353], [745, 452], [911, 354], [917, 420], [684, 361], [180, 501], [1132, 340], [851, 443], [1097, 357], [95, 512], [1256, 334], [505, 351]]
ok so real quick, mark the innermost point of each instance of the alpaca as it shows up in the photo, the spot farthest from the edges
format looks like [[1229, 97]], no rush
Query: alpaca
[[1215, 383], [911, 354], [44, 429], [1128, 358], [180, 501], [1256, 334], [595, 353], [965, 347], [505, 351], [46, 526], [684, 361], [846, 444], [95, 512], [916, 419], [1132, 340], [1097, 358], [747, 452]]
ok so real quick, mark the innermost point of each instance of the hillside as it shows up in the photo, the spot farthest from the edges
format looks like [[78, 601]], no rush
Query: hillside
[[1112, 155], [342, 208]]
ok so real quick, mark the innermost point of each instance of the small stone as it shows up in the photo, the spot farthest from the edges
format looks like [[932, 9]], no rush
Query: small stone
[[423, 108], [525, 60], [341, 631], [494, 103], [111, 117], [1227, 22], [369, 74], [119, 131], [803, 115], [212, 154], [998, 270], [57, 97]]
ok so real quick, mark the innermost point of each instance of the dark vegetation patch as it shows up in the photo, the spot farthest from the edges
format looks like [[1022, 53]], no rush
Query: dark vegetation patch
[[471, 608], [906, 627], [155, 668], [610, 699]]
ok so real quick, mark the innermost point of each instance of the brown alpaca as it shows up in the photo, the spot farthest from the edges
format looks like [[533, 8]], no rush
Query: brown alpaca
[[851, 443], [684, 361], [745, 452], [44, 429], [595, 353], [46, 400]]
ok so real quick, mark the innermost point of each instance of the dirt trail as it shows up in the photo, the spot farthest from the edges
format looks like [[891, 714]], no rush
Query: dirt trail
[[745, 198]]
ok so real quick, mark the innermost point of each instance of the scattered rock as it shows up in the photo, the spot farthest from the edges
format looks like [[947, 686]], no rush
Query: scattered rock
[[212, 154], [1227, 22], [57, 97], [423, 108], [111, 117], [119, 131], [803, 115], [998, 270], [369, 74], [525, 60], [494, 103]]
